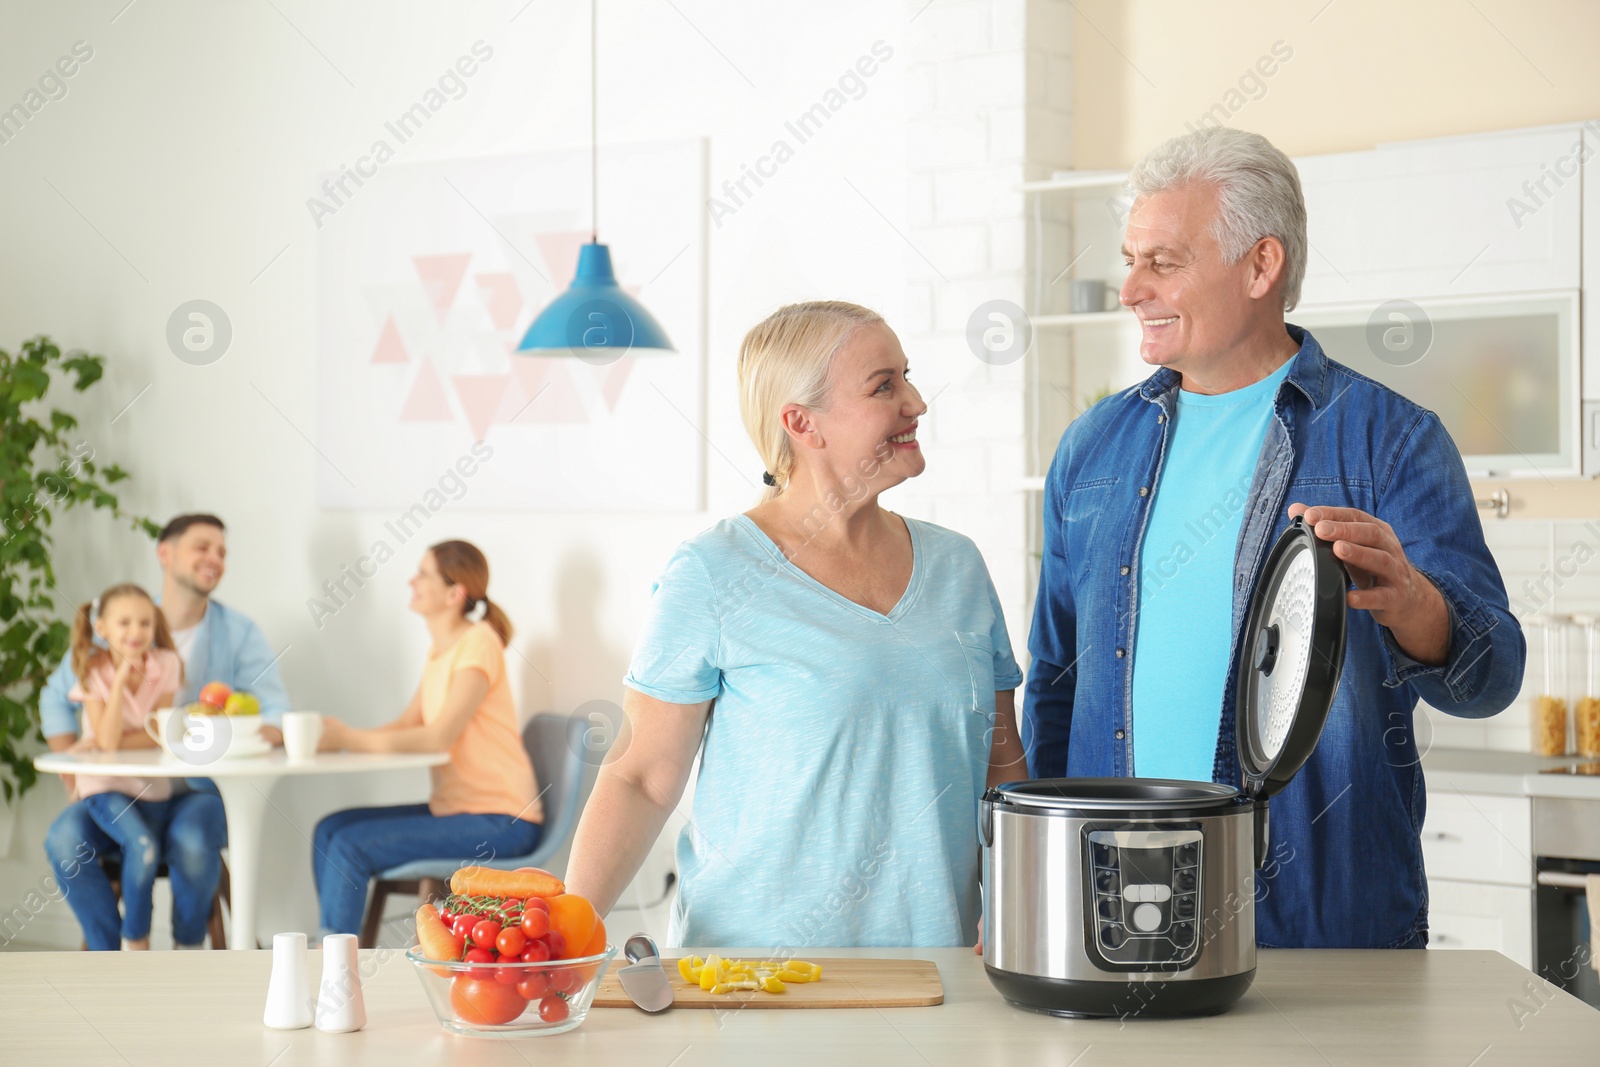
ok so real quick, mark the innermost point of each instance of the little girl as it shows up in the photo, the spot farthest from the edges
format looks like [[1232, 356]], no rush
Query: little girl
[[119, 686]]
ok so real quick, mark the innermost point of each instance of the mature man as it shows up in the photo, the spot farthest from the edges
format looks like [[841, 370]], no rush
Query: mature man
[[217, 644], [1162, 502]]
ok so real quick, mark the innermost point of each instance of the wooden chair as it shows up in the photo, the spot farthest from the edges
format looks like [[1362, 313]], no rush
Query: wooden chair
[[556, 747], [216, 929]]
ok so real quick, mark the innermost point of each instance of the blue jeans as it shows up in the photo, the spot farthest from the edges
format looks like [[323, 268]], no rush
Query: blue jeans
[[352, 847], [186, 832]]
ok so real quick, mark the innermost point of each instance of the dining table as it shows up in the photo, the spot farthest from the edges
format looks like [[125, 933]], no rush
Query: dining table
[[245, 783]]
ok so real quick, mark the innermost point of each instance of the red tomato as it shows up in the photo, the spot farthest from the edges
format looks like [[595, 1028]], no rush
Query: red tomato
[[484, 1003], [565, 980], [535, 923], [508, 975], [534, 984], [535, 952], [536, 904], [553, 1009], [479, 955], [462, 926], [511, 941], [557, 943], [484, 932], [447, 916]]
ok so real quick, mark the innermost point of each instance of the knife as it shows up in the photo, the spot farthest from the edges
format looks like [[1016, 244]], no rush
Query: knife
[[644, 979]]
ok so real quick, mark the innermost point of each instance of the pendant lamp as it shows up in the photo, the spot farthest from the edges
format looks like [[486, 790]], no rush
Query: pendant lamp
[[594, 319]]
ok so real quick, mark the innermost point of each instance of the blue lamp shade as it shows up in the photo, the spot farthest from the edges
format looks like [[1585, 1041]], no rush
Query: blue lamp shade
[[594, 319]]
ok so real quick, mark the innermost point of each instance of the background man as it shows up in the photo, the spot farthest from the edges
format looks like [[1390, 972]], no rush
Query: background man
[[217, 644]]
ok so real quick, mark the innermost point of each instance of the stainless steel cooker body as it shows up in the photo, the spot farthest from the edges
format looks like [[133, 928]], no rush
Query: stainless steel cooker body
[[1120, 897]]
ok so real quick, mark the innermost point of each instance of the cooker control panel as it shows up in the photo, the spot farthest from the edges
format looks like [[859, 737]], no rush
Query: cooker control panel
[[1145, 888]]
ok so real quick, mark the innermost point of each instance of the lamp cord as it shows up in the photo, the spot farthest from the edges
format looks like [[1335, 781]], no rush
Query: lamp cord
[[594, 122]]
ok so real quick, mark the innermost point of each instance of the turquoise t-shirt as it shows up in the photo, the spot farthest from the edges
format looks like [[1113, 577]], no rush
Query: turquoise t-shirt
[[847, 751], [1185, 626]]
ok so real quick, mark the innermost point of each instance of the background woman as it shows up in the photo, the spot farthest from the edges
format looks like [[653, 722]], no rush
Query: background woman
[[485, 801], [853, 666]]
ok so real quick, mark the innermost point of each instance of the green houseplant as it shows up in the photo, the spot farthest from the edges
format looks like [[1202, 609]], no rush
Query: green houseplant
[[44, 469]]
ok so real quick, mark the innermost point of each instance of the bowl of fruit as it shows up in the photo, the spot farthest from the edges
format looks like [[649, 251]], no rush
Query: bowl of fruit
[[509, 953]]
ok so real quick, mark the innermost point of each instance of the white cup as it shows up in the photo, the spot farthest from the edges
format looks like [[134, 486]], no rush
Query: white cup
[[302, 730], [159, 719]]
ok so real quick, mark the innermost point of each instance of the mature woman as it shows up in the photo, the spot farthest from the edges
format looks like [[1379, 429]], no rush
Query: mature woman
[[485, 801], [847, 671]]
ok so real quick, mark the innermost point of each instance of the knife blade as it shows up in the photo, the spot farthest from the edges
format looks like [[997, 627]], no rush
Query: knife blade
[[645, 980]]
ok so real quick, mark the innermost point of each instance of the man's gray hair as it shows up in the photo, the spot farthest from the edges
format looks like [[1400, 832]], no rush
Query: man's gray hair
[[1258, 193]]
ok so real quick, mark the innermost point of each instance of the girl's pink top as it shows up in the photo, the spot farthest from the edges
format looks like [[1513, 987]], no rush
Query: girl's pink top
[[161, 673]]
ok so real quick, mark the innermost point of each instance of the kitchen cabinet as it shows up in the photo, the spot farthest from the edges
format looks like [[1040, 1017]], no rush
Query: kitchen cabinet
[[1485, 213], [1478, 853], [1467, 915]]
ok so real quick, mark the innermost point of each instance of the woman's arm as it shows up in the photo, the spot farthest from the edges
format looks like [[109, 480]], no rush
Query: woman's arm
[[412, 716], [1008, 762], [639, 786], [468, 687]]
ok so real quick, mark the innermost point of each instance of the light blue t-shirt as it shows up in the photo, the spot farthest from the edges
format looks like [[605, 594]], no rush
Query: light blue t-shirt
[[1185, 627], [846, 752]]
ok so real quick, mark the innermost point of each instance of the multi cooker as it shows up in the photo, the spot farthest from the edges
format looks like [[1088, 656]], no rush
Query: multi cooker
[[1135, 897]]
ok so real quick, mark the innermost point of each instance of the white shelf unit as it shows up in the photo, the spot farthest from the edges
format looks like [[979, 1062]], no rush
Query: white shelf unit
[[1078, 218]]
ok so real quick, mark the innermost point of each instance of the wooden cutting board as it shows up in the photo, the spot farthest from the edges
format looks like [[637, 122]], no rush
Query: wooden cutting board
[[858, 982]]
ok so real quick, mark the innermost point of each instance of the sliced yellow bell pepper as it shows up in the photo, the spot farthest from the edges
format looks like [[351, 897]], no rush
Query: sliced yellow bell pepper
[[729, 987]]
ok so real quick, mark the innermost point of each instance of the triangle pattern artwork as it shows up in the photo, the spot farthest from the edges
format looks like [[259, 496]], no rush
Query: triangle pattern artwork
[[501, 298], [426, 402], [551, 394], [441, 276], [481, 396], [390, 349]]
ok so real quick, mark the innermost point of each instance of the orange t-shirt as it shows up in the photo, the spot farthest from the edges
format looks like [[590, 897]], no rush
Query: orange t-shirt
[[489, 772]]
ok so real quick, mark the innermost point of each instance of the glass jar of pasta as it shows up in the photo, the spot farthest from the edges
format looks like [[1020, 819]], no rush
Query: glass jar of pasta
[[1586, 715], [1549, 719]]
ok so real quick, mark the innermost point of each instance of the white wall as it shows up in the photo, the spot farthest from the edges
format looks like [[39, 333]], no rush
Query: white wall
[[177, 166]]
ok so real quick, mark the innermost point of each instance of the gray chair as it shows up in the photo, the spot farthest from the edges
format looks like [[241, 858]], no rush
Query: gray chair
[[557, 746]]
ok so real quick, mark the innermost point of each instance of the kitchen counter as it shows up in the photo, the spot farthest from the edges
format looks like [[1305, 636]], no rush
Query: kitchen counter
[[1515, 774], [1321, 1007]]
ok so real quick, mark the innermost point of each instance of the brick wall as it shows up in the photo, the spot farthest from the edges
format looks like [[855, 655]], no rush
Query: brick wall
[[988, 87]]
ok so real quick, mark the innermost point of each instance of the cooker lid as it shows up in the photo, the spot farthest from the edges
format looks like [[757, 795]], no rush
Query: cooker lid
[[1073, 794], [1290, 657]]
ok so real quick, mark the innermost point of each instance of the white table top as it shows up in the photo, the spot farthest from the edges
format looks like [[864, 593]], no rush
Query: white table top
[[1327, 1007], [153, 763]]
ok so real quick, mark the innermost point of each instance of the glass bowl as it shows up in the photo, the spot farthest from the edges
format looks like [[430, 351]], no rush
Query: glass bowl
[[490, 999]]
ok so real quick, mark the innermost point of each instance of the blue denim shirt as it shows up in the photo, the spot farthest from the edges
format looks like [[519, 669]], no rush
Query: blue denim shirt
[[1345, 863]]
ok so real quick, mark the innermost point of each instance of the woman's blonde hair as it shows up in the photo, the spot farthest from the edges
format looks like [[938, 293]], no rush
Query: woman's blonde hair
[[86, 654], [785, 360]]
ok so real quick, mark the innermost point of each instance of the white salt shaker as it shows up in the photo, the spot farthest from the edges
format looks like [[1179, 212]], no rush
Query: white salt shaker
[[340, 1008], [289, 1000]]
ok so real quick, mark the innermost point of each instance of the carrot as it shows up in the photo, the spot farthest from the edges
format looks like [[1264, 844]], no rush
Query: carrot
[[489, 882], [434, 938]]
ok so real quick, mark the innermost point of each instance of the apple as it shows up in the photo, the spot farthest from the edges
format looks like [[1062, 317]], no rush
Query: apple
[[216, 694], [242, 703]]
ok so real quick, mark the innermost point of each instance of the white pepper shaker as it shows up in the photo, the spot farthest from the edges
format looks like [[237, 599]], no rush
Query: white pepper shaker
[[289, 1002], [340, 1008]]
